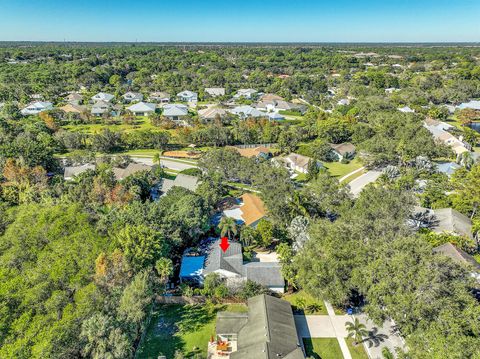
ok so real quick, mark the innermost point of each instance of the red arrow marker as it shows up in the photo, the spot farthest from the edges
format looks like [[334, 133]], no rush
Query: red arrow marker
[[224, 244]]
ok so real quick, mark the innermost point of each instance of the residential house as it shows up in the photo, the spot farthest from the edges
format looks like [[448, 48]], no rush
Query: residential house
[[245, 93], [215, 91], [266, 331], [298, 163], [74, 98], [176, 112], [130, 97], [257, 152], [249, 210], [473, 105], [187, 96], [275, 116], [102, 96], [343, 150], [36, 107], [247, 111], [449, 220], [279, 105], [181, 180], [70, 172], [100, 108], [132, 168], [439, 132], [448, 168], [406, 109], [343, 102], [230, 266], [142, 108], [159, 97], [73, 108], [270, 97], [459, 256], [212, 113]]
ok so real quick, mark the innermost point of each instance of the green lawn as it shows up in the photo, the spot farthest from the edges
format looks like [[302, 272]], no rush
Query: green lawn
[[309, 300], [358, 351], [140, 123], [339, 170], [186, 328], [322, 348]]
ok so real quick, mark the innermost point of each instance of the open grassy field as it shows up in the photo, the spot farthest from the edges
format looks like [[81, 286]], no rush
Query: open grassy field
[[322, 348], [140, 123], [185, 328], [339, 170]]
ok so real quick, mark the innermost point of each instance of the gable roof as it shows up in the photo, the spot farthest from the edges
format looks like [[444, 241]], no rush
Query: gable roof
[[159, 94], [252, 208], [231, 260], [187, 93], [298, 160], [102, 96], [175, 110], [132, 168], [215, 91], [142, 107], [182, 180], [133, 96], [248, 111], [270, 331], [72, 171], [452, 221], [456, 254], [212, 113], [343, 148], [73, 108]]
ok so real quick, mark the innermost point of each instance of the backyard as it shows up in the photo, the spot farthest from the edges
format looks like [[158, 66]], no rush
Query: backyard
[[185, 328]]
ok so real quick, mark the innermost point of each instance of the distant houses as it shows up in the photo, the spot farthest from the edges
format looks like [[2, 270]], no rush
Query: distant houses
[[73, 108], [102, 96], [343, 151], [176, 112], [100, 108], [142, 108], [215, 91], [70, 172], [132, 168], [74, 98], [36, 107], [159, 97], [247, 111], [298, 163], [245, 93], [439, 131], [406, 109], [187, 96], [130, 97], [212, 113]]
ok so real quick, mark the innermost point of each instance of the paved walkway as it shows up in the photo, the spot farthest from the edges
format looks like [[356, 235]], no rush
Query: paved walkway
[[324, 326]]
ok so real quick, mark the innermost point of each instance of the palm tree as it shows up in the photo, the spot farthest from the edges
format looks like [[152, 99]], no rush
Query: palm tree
[[227, 227], [356, 330], [156, 158], [164, 267], [314, 307]]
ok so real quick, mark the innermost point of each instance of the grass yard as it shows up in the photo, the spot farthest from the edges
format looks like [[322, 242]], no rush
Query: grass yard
[[339, 170], [358, 351], [140, 123], [186, 328], [301, 295], [322, 348]]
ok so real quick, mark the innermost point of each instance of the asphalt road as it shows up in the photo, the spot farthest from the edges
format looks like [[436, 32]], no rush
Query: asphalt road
[[358, 184]]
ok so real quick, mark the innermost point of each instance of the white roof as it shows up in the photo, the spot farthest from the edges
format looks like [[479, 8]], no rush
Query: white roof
[[248, 111], [187, 93], [102, 96], [142, 107], [406, 109], [275, 116], [175, 109], [133, 95], [474, 104]]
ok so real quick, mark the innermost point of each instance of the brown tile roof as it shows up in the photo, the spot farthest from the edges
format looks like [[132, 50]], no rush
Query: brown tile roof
[[251, 152], [72, 108], [253, 208]]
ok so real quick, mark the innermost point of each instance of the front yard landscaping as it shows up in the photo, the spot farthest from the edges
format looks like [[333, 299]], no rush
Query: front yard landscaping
[[322, 348]]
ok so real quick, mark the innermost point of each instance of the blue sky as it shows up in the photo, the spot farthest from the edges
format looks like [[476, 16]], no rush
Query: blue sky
[[244, 21]]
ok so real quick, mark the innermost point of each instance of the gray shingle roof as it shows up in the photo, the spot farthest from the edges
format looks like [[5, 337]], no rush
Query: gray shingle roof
[[264, 273], [121, 173], [457, 255], [452, 221], [231, 260], [185, 181], [270, 331], [73, 171]]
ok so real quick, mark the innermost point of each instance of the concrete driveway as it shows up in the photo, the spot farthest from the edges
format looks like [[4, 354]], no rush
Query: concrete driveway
[[321, 326], [358, 184]]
